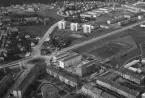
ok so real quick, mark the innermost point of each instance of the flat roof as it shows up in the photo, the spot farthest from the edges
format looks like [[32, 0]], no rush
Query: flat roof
[[118, 86], [69, 57], [29, 77], [132, 74]]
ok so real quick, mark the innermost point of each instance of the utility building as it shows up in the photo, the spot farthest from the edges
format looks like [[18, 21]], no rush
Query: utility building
[[74, 26], [86, 28]]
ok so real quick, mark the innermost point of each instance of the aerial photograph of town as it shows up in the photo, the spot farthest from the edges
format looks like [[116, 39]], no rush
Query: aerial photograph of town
[[72, 48]]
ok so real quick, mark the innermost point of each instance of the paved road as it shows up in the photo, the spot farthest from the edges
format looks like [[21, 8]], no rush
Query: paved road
[[100, 37], [38, 47]]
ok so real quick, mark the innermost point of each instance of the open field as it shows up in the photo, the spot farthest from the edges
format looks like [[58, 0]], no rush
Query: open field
[[34, 30], [50, 13]]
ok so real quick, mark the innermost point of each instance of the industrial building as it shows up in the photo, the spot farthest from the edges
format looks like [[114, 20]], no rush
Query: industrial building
[[61, 24], [67, 59], [74, 26], [20, 90], [63, 76]]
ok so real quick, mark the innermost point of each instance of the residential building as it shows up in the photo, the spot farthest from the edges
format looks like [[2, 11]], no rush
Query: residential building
[[74, 26], [63, 76], [117, 88], [6, 83], [62, 24], [86, 28], [20, 90]]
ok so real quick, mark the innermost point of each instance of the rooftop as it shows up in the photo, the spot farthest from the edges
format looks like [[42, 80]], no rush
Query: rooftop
[[139, 76], [29, 77]]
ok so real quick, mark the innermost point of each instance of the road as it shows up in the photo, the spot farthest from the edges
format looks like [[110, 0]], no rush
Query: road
[[38, 47]]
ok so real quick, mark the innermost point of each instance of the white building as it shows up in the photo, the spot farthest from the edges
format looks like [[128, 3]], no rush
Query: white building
[[87, 28], [74, 26], [62, 24], [69, 60], [142, 25], [143, 95]]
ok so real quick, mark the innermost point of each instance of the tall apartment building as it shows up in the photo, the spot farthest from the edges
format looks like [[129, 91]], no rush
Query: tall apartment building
[[74, 26], [86, 28], [62, 24]]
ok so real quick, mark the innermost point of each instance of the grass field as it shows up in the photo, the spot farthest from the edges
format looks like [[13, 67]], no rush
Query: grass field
[[35, 31]]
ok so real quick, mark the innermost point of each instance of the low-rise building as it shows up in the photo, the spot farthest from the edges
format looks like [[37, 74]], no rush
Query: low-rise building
[[6, 83], [63, 76], [135, 77], [71, 59], [87, 68], [116, 20], [20, 90], [117, 88]]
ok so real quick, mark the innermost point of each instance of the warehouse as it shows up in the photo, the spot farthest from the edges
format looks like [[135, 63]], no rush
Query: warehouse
[[59, 56], [67, 61]]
